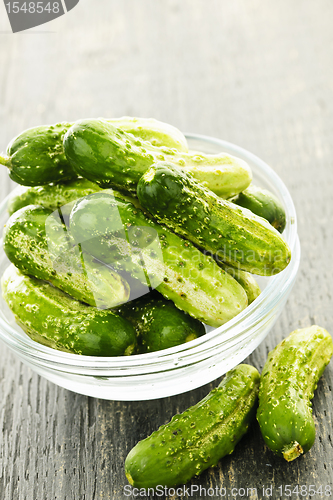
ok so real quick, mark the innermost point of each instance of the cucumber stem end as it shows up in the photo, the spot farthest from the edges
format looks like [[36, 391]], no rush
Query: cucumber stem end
[[129, 478], [292, 451], [4, 161]]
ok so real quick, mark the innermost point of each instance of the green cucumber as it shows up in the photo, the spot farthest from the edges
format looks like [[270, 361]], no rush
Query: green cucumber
[[118, 233], [263, 203], [288, 381], [234, 234], [51, 196], [111, 157], [198, 438], [158, 133], [37, 242], [54, 319], [36, 156], [159, 324], [248, 282]]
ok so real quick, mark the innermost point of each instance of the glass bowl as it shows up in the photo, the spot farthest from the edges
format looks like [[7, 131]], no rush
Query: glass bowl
[[182, 368]]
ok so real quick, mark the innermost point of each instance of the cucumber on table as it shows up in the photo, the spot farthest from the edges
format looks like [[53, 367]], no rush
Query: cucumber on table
[[51, 196], [56, 320], [199, 437], [263, 203], [118, 233], [233, 234], [38, 243], [159, 324], [113, 158], [36, 156], [288, 381]]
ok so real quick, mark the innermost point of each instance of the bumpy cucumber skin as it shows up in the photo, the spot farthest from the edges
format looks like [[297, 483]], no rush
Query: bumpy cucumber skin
[[199, 437], [51, 196], [36, 156], [263, 203], [234, 234], [246, 280], [158, 133], [175, 267], [159, 324], [36, 241], [90, 144], [54, 319], [288, 381]]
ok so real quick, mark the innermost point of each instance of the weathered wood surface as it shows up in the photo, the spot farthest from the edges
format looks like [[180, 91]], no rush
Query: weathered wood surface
[[255, 72]]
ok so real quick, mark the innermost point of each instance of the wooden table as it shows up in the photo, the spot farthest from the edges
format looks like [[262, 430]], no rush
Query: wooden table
[[256, 73]]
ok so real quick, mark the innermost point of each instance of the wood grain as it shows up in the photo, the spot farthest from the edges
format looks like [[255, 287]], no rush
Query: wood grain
[[257, 73]]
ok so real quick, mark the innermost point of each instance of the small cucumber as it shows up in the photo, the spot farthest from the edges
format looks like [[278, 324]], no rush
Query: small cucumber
[[288, 381], [36, 156], [245, 279], [111, 157], [54, 319], [119, 234], [199, 437], [263, 203], [159, 324], [37, 242], [234, 234], [158, 133], [51, 196]]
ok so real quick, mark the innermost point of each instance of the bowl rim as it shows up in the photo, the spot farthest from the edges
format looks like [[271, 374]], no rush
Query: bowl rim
[[233, 329]]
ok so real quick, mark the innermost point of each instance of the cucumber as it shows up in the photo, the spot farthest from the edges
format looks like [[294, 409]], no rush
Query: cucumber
[[158, 133], [198, 438], [118, 233], [248, 282], [159, 324], [36, 241], [36, 156], [263, 203], [234, 234], [288, 381], [51, 196], [111, 157], [54, 319]]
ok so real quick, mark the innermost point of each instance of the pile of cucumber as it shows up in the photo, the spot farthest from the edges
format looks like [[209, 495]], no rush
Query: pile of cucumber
[[122, 241], [280, 398]]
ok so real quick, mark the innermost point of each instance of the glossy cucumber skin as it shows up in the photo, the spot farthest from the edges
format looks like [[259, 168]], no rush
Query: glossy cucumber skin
[[158, 133], [36, 156], [234, 234], [246, 280], [51, 196], [159, 324], [54, 319], [92, 143], [263, 203], [118, 233], [198, 438], [288, 381], [37, 242]]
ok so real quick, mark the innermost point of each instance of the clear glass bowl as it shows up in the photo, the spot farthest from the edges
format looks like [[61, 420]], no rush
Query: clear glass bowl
[[178, 369]]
